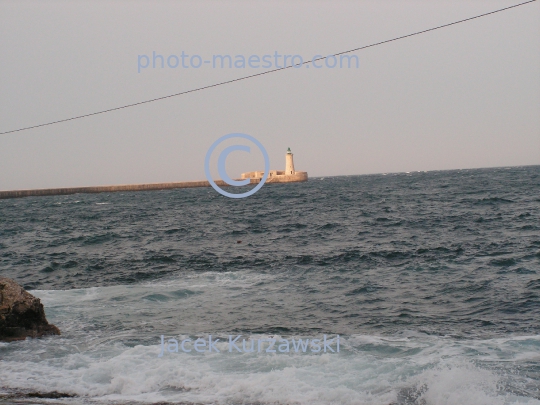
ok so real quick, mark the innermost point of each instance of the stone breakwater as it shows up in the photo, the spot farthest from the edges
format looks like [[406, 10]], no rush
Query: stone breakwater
[[21, 314], [297, 177]]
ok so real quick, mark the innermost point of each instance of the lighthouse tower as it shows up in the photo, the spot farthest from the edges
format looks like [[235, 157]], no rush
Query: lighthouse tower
[[289, 175], [289, 163]]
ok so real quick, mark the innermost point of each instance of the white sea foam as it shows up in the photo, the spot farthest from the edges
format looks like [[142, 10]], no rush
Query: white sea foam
[[407, 368], [438, 371]]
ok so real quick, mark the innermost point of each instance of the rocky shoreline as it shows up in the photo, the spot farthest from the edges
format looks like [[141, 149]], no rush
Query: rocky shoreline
[[21, 314]]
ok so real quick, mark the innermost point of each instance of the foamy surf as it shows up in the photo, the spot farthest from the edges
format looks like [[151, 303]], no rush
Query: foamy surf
[[97, 362], [408, 368]]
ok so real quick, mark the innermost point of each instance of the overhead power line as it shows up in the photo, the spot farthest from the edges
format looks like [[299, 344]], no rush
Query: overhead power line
[[267, 72]]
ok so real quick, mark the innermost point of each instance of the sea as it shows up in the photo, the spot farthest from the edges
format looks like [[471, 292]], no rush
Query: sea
[[430, 279]]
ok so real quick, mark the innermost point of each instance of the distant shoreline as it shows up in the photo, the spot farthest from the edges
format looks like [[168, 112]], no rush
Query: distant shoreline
[[131, 187]]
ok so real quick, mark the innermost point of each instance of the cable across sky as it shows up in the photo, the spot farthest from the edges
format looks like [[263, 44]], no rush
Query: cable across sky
[[266, 72]]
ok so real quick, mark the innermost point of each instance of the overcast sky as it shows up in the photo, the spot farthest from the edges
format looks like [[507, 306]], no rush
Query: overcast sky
[[465, 96]]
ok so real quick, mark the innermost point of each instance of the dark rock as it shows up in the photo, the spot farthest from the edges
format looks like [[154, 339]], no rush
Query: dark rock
[[21, 314], [9, 394], [49, 395]]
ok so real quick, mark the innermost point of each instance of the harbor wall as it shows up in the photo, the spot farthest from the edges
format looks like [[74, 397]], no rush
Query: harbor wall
[[131, 187], [297, 177], [105, 189]]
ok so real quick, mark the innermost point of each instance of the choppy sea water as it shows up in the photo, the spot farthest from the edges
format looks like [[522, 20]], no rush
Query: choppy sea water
[[431, 279]]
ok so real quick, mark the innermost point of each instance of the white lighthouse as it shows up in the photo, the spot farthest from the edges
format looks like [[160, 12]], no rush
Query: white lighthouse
[[289, 175], [289, 163]]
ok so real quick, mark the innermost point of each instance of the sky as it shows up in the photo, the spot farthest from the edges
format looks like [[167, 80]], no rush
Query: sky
[[465, 96]]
